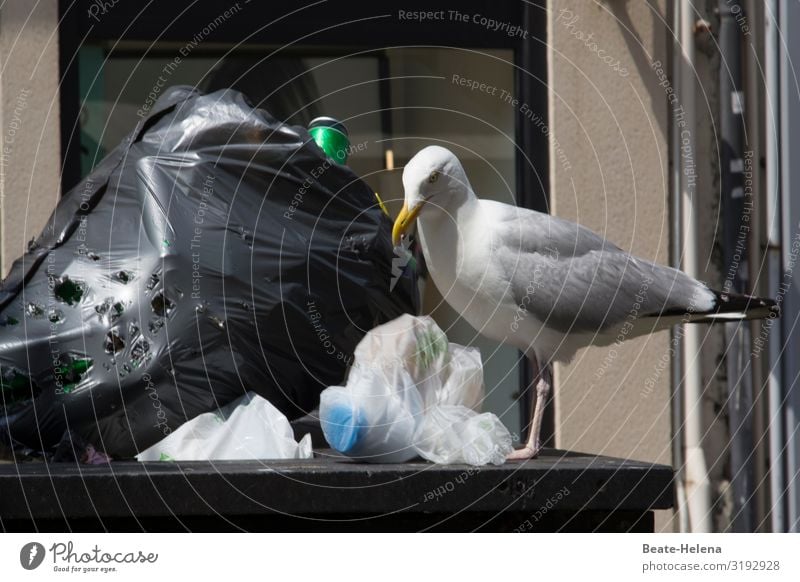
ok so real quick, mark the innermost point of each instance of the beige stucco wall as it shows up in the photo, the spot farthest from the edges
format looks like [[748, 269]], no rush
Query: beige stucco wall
[[609, 171], [29, 122]]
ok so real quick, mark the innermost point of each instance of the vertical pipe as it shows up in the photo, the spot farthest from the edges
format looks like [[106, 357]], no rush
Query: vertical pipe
[[752, 57], [676, 236], [788, 16], [775, 390], [698, 488], [736, 207]]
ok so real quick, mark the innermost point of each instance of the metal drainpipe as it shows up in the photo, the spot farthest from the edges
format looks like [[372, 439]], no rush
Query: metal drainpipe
[[698, 488], [773, 227], [752, 56], [676, 236], [788, 17], [736, 208]]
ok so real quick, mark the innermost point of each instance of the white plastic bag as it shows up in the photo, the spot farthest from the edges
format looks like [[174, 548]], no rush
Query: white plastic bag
[[246, 429], [456, 434], [412, 393]]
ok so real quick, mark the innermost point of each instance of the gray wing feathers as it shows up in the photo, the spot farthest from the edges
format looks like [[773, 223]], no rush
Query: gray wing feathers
[[572, 279], [567, 238]]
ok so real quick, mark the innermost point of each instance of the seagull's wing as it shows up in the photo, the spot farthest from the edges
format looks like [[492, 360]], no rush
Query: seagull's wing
[[572, 279]]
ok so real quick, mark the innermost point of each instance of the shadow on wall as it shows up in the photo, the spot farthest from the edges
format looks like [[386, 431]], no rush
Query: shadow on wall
[[644, 62]]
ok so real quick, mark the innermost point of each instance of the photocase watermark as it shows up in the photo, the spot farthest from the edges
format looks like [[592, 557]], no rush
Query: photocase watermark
[[314, 176], [548, 506], [81, 234], [68, 369], [490, 24], [155, 91], [508, 28], [524, 109], [479, 86], [627, 327], [663, 82], [568, 20], [15, 122], [537, 120], [449, 486], [52, 340], [786, 284], [738, 14], [161, 416], [688, 167], [324, 336], [663, 363], [743, 166], [10, 134], [197, 236], [31, 555], [66, 558], [679, 118], [185, 51], [311, 179], [537, 282], [100, 8]]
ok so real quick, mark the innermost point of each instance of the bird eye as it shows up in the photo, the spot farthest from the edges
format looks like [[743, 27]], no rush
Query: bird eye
[[433, 177]]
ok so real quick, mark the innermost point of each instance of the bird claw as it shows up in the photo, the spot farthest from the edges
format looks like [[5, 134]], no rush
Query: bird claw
[[523, 454]]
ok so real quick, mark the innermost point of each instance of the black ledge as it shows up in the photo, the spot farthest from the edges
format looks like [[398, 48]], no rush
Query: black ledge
[[559, 491]]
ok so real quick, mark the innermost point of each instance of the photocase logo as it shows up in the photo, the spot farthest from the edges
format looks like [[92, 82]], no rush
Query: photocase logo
[[31, 555]]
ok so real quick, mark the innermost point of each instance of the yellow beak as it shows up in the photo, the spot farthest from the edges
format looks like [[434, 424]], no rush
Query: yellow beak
[[404, 220]]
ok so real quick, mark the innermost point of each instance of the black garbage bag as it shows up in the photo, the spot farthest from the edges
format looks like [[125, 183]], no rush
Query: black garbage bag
[[213, 252]]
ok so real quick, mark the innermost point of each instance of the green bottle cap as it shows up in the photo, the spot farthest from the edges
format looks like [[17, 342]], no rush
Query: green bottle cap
[[331, 136]]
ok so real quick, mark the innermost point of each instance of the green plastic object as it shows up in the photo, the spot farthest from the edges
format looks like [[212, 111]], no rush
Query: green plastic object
[[73, 372], [69, 291], [332, 138]]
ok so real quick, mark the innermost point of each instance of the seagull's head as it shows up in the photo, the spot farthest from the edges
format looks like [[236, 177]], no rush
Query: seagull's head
[[434, 174]]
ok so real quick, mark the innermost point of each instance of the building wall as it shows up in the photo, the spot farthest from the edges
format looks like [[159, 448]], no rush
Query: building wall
[[29, 117], [609, 161]]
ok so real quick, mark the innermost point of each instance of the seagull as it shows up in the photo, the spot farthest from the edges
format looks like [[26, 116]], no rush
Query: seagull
[[542, 284]]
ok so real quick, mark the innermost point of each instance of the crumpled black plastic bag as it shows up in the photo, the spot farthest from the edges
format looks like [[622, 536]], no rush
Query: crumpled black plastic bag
[[213, 252]]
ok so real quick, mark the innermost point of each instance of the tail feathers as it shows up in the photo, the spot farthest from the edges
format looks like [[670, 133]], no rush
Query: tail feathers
[[735, 307]]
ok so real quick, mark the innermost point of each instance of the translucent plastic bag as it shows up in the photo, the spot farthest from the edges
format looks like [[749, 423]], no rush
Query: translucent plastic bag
[[456, 434], [246, 429], [412, 393]]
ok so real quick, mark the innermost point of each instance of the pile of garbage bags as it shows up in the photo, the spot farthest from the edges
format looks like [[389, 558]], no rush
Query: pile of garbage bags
[[214, 252]]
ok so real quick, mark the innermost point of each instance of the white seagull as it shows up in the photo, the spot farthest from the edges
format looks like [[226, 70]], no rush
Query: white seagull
[[545, 285]]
